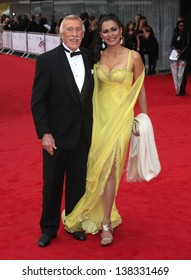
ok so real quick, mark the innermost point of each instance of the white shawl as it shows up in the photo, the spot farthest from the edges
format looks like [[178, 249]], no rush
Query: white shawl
[[143, 163]]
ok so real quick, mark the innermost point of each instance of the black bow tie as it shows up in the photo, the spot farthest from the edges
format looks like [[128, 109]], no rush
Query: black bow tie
[[75, 53], [72, 53]]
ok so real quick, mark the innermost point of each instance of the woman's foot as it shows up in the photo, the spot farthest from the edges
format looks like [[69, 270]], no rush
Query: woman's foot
[[106, 236]]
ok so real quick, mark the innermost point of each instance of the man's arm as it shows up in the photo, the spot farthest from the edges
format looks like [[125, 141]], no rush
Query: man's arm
[[40, 93]]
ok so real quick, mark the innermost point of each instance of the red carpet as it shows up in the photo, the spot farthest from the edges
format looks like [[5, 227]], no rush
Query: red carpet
[[156, 215]]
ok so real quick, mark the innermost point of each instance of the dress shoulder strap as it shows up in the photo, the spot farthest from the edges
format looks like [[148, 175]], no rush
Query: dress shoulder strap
[[129, 58]]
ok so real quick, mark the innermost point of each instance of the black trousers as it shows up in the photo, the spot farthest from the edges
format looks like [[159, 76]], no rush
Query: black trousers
[[152, 60], [184, 82], [141, 52], [65, 166]]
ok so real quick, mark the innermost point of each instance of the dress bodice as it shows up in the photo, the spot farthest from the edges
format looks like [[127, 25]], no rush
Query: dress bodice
[[115, 76]]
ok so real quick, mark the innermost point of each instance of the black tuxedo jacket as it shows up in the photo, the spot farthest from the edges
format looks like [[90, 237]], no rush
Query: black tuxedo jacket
[[57, 106]]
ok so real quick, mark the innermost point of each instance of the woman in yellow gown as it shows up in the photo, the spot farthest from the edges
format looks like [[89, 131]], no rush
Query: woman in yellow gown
[[119, 81]]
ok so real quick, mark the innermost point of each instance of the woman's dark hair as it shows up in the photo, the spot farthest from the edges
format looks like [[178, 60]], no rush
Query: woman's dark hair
[[177, 25], [103, 18], [106, 17], [126, 30]]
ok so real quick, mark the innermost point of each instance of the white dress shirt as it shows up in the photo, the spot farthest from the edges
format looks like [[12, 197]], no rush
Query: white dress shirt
[[77, 67]]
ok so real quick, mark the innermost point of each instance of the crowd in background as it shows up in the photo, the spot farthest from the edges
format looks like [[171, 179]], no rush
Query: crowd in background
[[138, 34], [34, 23]]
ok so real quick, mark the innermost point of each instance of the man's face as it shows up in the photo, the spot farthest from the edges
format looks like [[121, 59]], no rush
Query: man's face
[[72, 34]]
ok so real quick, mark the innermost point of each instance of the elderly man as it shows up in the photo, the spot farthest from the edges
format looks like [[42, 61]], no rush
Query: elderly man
[[62, 112]]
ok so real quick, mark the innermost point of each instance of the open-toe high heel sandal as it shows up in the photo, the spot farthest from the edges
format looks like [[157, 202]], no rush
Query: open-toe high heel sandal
[[106, 236]]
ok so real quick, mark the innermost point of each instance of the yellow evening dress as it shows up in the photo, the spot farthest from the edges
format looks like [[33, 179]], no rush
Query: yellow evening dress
[[114, 98]]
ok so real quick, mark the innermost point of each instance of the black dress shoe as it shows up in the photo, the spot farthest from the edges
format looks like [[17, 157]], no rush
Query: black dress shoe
[[45, 240], [150, 73], [79, 235], [181, 94], [154, 71]]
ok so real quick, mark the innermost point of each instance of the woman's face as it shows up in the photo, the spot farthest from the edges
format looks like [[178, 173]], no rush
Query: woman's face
[[131, 26], [142, 23], [137, 18], [181, 26], [111, 32]]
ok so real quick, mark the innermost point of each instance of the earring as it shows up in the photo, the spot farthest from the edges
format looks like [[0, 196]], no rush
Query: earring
[[121, 40], [103, 44]]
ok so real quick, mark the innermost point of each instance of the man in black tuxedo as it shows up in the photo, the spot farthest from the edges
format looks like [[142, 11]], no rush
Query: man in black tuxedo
[[62, 111]]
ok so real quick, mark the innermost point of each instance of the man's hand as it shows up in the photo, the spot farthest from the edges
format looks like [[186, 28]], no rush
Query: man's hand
[[48, 143]]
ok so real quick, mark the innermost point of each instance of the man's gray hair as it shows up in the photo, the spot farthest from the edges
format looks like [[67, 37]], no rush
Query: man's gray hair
[[71, 17]]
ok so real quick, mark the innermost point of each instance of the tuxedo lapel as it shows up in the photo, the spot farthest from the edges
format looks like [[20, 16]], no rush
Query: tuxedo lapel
[[87, 65], [88, 76], [84, 90]]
